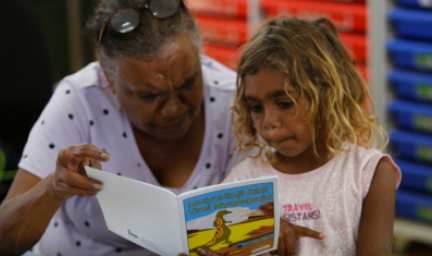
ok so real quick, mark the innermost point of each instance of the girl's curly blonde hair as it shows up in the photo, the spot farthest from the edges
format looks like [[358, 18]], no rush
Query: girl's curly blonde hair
[[316, 64]]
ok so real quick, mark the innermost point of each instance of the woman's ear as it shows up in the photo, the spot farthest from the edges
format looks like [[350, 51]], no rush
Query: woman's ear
[[109, 79]]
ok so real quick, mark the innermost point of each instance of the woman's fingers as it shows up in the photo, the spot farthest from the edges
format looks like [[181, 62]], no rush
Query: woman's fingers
[[74, 179], [72, 156], [65, 191], [203, 251], [305, 232], [70, 177]]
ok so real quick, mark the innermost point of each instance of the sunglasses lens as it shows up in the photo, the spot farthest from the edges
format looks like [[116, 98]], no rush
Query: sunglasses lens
[[125, 20], [163, 8]]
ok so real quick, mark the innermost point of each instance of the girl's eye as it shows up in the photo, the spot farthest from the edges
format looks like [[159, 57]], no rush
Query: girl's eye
[[285, 104], [255, 108]]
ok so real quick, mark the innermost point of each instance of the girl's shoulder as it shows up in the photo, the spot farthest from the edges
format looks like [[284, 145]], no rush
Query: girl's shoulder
[[363, 162]]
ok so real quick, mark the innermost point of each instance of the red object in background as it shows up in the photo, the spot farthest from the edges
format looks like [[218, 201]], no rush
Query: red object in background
[[228, 56], [234, 32], [356, 45], [363, 70], [230, 8], [347, 17], [222, 30]]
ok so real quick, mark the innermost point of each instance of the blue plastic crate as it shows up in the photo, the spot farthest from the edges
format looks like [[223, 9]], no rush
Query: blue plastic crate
[[411, 85], [416, 24], [411, 54], [411, 145], [414, 206], [413, 116], [416, 3], [415, 176]]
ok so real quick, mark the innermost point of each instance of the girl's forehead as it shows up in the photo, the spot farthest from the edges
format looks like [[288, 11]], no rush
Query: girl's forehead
[[268, 79]]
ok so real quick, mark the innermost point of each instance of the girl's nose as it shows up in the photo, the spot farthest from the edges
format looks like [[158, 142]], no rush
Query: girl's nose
[[271, 121]]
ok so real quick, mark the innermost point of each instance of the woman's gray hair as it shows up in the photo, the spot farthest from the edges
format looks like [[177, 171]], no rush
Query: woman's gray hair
[[147, 38]]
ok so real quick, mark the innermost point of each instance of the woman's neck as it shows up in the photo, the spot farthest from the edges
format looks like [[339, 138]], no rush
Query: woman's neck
[[306, 161]]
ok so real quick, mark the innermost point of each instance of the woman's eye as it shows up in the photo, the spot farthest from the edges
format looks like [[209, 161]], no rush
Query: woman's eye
[[187, 86], [255, 108], [285, 104], [149, 97]]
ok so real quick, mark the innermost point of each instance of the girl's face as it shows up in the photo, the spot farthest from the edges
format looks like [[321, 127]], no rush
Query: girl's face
[[275, 116]]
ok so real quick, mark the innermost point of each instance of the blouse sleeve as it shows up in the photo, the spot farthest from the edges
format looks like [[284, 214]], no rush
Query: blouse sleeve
[[62, 123]]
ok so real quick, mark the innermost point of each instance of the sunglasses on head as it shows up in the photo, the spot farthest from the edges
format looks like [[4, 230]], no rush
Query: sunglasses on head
[[128, 19]]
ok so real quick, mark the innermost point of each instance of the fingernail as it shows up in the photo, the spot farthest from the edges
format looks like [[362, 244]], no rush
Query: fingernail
[[201, 251], [321, 236], [105, 156], [97, 186]]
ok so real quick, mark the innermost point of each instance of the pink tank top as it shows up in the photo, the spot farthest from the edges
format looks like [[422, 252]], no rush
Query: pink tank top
[[328, 199]]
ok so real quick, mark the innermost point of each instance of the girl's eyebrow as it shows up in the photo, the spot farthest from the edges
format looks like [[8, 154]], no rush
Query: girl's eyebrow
[[271, 95]]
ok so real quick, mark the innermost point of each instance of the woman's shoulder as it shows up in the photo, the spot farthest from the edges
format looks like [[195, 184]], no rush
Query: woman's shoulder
[[89, 76], [216, 75]]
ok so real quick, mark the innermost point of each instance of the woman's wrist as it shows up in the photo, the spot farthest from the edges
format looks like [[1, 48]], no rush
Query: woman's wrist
[[50, 189]]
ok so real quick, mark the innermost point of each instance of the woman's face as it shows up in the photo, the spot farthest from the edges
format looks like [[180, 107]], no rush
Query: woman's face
[[162, 94]]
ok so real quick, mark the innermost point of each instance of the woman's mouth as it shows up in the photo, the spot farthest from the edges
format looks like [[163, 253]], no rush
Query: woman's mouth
[[174, 125]]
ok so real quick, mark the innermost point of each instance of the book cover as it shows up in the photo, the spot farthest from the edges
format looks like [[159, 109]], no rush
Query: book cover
[[235, 221], [238, 218]]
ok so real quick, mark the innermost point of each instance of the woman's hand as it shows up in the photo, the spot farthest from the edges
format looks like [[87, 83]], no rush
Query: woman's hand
[[70, 177], [287, 240], [287, 237]]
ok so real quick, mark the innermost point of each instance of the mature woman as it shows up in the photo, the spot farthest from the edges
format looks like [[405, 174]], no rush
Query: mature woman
[[151, 109]]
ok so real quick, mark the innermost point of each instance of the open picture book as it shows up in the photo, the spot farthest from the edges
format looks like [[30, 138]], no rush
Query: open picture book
[[239, 218]]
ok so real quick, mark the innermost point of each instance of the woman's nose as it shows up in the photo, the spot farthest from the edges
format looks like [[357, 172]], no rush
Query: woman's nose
[[173, 107]]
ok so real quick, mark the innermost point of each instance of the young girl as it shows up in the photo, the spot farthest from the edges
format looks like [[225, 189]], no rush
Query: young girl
[[301, 100]]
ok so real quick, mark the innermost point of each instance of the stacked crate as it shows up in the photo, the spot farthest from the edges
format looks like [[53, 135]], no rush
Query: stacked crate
[[223, 26], [410, 51], [349, 17]]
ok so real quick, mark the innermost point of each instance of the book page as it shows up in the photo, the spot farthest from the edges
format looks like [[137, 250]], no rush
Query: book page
[[239, 218], [139, 212]]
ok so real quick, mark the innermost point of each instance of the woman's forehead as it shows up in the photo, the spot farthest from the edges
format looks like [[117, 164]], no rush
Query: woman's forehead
[[175, 62]]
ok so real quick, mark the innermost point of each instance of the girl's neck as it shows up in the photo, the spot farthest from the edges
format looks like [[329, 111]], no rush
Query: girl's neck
[[305, 162]]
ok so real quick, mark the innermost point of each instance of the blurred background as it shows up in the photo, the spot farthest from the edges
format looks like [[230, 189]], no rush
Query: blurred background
[[390, 41]]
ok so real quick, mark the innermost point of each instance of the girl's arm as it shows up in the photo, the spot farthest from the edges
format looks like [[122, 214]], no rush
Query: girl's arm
[[376, 224]]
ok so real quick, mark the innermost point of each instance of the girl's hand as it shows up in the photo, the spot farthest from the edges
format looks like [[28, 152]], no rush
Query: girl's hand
[[287, 237], [286, 245], [70, 177]]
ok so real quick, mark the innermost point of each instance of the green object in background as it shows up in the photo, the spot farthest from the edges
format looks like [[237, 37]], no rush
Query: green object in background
[[423, 123], [429, 184], [424, 213], [424, 153], [424, 61], [424, 91], [2, 163], [5, 175]]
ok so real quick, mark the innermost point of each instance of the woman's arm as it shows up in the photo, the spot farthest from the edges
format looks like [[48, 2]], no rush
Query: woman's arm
[[31, 202], [376, 224], [26, 212]]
